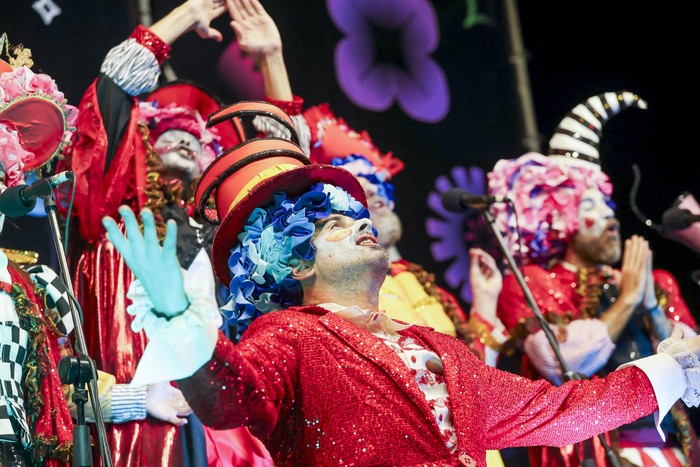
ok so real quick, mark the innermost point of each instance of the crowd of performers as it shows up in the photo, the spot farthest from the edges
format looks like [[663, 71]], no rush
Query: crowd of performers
[[327, 345]]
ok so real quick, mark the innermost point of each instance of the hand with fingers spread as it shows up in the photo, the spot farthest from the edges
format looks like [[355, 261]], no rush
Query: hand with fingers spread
[[155, 266], [193, 15], [165, 402], [203, 13], [255, 30]]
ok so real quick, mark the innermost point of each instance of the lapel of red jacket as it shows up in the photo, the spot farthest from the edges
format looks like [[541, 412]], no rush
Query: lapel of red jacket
[[380, 355]]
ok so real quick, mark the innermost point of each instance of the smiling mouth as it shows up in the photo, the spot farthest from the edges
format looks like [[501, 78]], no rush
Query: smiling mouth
[[366, 240]]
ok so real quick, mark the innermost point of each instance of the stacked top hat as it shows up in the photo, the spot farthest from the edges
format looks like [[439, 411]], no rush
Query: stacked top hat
[[247, 176]]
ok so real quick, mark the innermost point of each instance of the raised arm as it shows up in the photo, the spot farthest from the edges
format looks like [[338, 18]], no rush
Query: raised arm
[[257, 35]]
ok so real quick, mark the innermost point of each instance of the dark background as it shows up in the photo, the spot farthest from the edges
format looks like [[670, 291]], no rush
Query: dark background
[[574, 51]]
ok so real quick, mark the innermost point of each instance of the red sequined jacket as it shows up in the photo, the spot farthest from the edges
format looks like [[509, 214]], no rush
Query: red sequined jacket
[[318, 390]]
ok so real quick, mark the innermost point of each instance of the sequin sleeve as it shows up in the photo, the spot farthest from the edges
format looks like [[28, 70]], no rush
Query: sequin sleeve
[[251, 383], [523, 412], [586, 346], [676, 308]]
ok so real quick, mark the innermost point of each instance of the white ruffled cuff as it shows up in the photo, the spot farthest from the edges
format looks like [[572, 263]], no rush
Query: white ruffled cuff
[[688, 361], [179, 346]]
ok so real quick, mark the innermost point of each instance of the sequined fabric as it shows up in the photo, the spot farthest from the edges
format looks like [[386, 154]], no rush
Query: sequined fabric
[[318, 390], [564, 295], [155, 44]]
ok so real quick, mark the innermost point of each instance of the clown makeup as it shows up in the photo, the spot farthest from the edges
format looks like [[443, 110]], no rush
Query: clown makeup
[[179, 151], [593, 213]]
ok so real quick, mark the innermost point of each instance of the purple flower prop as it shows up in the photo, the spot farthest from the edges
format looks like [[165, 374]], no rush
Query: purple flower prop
[[386, 56], [456, 233]]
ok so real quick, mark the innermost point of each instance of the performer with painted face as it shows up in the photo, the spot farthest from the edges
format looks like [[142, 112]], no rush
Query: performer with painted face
[[603, 317], [148, 152], [321, 374]]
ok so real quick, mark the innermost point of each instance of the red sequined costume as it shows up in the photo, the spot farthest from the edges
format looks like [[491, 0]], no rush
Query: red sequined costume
[[565, 295], [319, 390], [110, 172]]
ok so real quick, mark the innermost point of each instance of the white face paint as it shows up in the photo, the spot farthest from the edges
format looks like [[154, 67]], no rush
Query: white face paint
[[597, 240], [346, 249], [593, 213], [179, 151], [381, 211]]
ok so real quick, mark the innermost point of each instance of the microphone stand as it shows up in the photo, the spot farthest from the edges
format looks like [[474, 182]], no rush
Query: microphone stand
[[530, 300], [84, 361]]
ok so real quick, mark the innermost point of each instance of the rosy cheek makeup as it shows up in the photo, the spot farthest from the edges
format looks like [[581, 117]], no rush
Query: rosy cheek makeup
[[339, 235]]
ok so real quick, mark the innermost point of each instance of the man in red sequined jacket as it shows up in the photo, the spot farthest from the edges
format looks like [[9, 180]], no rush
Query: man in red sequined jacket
[[320, 375]]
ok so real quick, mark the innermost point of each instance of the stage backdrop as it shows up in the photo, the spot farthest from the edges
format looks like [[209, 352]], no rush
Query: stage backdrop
[[462, 111]]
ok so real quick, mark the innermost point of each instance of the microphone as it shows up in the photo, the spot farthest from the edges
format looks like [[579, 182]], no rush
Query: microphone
[[21, 199], [678, 219], [459, 200]]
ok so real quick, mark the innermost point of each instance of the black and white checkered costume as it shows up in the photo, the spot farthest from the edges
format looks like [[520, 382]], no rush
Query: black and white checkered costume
[[13, 351], [57, 298]]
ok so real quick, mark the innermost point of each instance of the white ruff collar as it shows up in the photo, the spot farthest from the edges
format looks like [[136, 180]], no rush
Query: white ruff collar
[[372, 321]]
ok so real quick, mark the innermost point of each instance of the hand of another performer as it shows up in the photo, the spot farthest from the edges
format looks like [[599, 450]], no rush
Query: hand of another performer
[[255, 30], [165, 402], [486, 283], [649, 301], [635, 261], [155, 266], [193, 15]]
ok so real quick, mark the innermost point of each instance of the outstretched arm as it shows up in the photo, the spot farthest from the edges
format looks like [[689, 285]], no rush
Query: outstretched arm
[[258, 35]]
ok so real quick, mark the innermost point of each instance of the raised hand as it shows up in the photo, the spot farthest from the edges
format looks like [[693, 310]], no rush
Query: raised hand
[[155, 266], [195, 15], [255, 30], [635, 263], [167, 403], [486, 283], [203, 13]]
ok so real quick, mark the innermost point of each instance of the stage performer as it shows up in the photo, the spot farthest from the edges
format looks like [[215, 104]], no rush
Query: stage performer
[[148, 151], [36, 123], [602, 317], [321, 375]]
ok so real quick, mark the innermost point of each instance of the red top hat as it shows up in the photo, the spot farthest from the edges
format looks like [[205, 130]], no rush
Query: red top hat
[[248, 175]]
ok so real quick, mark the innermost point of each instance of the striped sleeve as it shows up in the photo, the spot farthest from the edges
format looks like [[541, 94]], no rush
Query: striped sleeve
[[132, 66], [128, 403], [586, 347]]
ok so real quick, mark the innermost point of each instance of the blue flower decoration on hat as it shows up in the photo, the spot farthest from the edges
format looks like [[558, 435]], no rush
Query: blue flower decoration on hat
[[274, 236]]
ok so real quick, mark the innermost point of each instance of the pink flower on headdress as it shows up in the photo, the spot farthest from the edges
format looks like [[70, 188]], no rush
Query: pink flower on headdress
[[546, 193], [385, 56], [12, 155], [23, 81]]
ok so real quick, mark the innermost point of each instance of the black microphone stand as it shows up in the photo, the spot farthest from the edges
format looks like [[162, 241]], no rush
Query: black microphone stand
[[530, 300], [83, 364]]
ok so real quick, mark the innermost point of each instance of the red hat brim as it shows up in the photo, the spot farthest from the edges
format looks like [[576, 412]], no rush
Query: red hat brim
[[293, 182], [184, 93], [41, 125]]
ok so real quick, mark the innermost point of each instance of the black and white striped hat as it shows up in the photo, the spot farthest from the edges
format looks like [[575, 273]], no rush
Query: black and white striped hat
[[578, 134]]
